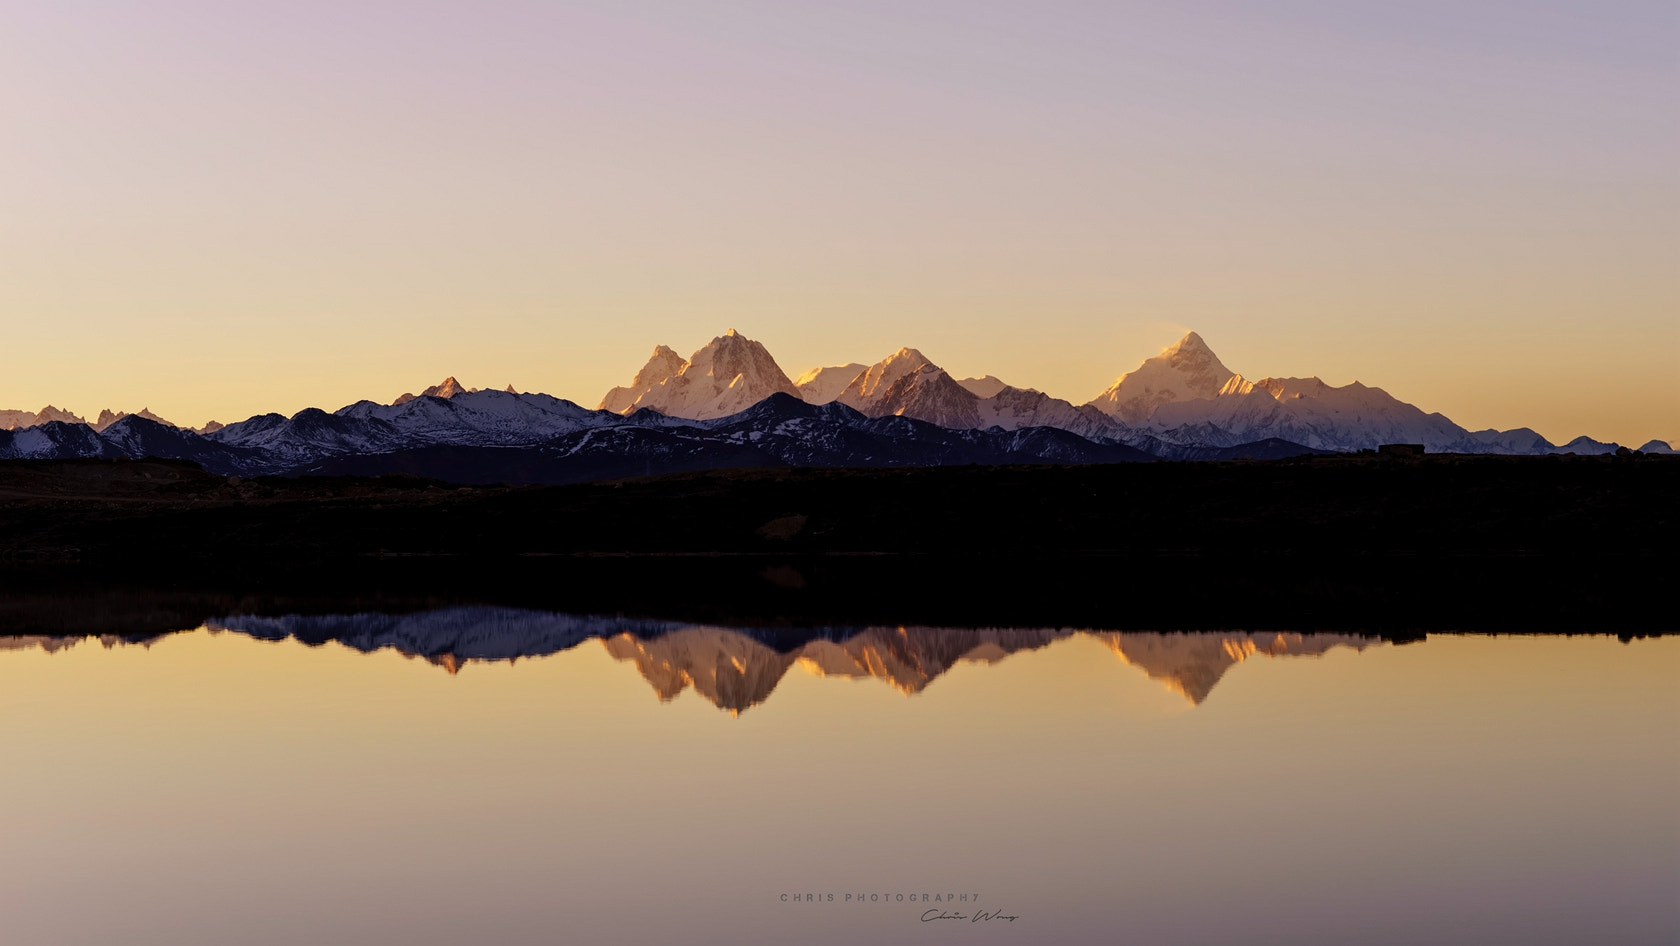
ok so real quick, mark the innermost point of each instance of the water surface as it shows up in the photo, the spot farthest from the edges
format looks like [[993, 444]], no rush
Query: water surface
[[493, 776]]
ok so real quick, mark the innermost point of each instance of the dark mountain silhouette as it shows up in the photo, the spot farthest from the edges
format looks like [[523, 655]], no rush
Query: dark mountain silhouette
[[497, 437]]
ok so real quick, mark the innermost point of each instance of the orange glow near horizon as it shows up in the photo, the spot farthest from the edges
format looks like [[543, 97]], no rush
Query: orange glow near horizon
[[216, 212]]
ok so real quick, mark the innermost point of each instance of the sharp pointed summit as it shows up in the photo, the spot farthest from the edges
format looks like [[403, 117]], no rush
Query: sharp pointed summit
[[1186, 370], [447, 388], [907, 384], [1191, 342], [726, 376], [663, 364], [869, 388]]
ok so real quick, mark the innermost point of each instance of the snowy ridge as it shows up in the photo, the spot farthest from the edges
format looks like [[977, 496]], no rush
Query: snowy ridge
[[52, 441], [479, 417], [493, 436], [1309, 412]]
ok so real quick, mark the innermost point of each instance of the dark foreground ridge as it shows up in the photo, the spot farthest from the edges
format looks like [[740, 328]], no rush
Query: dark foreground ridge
[[1330, 543]]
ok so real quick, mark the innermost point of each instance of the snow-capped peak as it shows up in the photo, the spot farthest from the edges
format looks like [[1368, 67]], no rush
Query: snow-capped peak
[[447, 388], [727, 375], [1185, 370], [873, 384], [1190, 346], [662, 365]]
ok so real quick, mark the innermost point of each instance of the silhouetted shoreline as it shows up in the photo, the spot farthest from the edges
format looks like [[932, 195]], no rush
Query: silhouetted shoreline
[[1395, 547]]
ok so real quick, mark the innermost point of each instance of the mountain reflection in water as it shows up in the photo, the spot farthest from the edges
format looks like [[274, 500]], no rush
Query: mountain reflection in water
[[738, 668]]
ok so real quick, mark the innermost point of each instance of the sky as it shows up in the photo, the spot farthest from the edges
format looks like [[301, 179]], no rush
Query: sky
[[221, 209]]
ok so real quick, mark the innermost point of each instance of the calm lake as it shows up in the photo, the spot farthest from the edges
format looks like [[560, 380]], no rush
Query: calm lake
[[493, 776]]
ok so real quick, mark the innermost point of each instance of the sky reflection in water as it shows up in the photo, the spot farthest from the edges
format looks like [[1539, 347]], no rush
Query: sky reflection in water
[[235, 785]]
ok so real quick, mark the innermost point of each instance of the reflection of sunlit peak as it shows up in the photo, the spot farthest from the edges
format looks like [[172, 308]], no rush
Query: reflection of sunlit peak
[[904, 679], [448, 662], [828, 659], [1175, 686], [735, 671], [729, 669], [1191, 664]]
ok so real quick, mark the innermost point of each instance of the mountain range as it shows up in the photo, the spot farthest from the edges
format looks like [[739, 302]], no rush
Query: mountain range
[[735, 669], [731, 405], [14, 420], [1179, 401]]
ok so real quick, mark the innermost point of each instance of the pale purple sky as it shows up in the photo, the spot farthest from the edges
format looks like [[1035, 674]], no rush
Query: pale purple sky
[[219, 209]]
